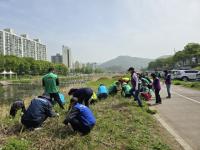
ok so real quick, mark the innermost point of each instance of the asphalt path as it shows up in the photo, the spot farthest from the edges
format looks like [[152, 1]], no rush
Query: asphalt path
[[182, 113]]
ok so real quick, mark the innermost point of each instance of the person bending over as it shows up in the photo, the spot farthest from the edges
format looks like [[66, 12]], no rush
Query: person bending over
[[17, 105], [83, 95], [102, 92], [126, 90], [114, 88]]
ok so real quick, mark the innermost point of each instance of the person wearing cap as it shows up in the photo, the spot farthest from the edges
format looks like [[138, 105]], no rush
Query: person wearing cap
[[114, 88], [102, 92], [126, 90], [168, 82], [17, 105], [83, 94], [50, 83], [135, 85], [38, 111], [157, 88], [80, 117]]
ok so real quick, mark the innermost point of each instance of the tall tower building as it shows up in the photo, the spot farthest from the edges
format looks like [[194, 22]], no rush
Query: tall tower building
[[67, 57]]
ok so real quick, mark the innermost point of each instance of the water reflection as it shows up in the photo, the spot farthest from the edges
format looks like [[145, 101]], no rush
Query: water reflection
[[12, 92]]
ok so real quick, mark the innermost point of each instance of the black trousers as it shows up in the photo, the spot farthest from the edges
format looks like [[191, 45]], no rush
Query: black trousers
[[102, 96], [77, 125], [56, 97], [33, 124], [85, 99], [157, 94], [128, 95]]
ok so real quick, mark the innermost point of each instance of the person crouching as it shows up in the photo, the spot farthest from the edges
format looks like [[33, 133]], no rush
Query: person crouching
[[80, 117], [38, 111]]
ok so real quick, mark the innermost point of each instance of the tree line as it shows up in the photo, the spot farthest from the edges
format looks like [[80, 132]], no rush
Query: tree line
[[189, 56], [87, 70], [29, 66]]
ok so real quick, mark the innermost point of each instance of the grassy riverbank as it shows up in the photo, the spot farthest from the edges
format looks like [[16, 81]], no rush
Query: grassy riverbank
[[193, 85], [121, 124]]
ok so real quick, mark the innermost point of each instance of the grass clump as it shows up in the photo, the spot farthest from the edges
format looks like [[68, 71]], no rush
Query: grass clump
[[16, 144], [1, 89], [193, 84]]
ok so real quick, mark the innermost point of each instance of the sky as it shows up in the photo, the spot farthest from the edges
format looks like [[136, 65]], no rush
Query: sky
[[99, 30]]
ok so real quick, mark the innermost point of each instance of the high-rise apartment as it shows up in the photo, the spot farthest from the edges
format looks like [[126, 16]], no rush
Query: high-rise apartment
[[67, 57], [21, 45]]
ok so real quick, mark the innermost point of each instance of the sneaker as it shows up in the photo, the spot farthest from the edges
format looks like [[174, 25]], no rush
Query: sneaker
[[70, 127], [158, 102], [39, 128]]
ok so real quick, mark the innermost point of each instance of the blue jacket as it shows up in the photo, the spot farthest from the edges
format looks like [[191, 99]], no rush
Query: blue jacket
[[39, 109], [83, 114], [102, 89]]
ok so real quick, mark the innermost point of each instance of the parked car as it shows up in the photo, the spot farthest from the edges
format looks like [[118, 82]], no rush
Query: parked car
[[186, 75], [198, 77], [173, 74]]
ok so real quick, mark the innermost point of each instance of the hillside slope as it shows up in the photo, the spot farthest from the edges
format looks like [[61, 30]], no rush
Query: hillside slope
[[122, 63]]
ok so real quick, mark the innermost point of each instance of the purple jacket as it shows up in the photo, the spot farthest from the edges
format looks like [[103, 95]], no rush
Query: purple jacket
[[134, 81], [156, 84], [168, 79]]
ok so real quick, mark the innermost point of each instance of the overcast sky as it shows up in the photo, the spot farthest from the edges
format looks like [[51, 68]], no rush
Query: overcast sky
[[98, 30]]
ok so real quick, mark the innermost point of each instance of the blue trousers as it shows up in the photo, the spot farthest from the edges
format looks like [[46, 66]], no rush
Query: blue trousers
[[168, 90], [136, 96]]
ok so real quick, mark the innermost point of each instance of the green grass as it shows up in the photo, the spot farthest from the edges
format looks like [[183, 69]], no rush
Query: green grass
[[121, 124], [193, 85], [103, 80], [1, 89], [197, 68]]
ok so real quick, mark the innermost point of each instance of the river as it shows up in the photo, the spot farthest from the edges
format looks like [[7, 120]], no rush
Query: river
[[13, 92]]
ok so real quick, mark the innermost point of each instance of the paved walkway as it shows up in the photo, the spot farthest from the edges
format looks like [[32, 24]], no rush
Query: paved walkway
[[182, 113]]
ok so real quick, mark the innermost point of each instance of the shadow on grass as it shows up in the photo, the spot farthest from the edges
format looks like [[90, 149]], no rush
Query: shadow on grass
[[12, 130], [63, 132], [120, 105]]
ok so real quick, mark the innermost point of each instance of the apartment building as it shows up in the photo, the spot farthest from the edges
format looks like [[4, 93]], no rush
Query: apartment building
[[21, 45]]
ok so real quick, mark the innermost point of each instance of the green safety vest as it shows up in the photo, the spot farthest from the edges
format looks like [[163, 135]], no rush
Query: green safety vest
[[126, 88], [50, 83], [112, 88], [146, 81]]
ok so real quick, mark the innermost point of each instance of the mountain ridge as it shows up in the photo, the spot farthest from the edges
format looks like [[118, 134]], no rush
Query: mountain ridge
[[122, 63]]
